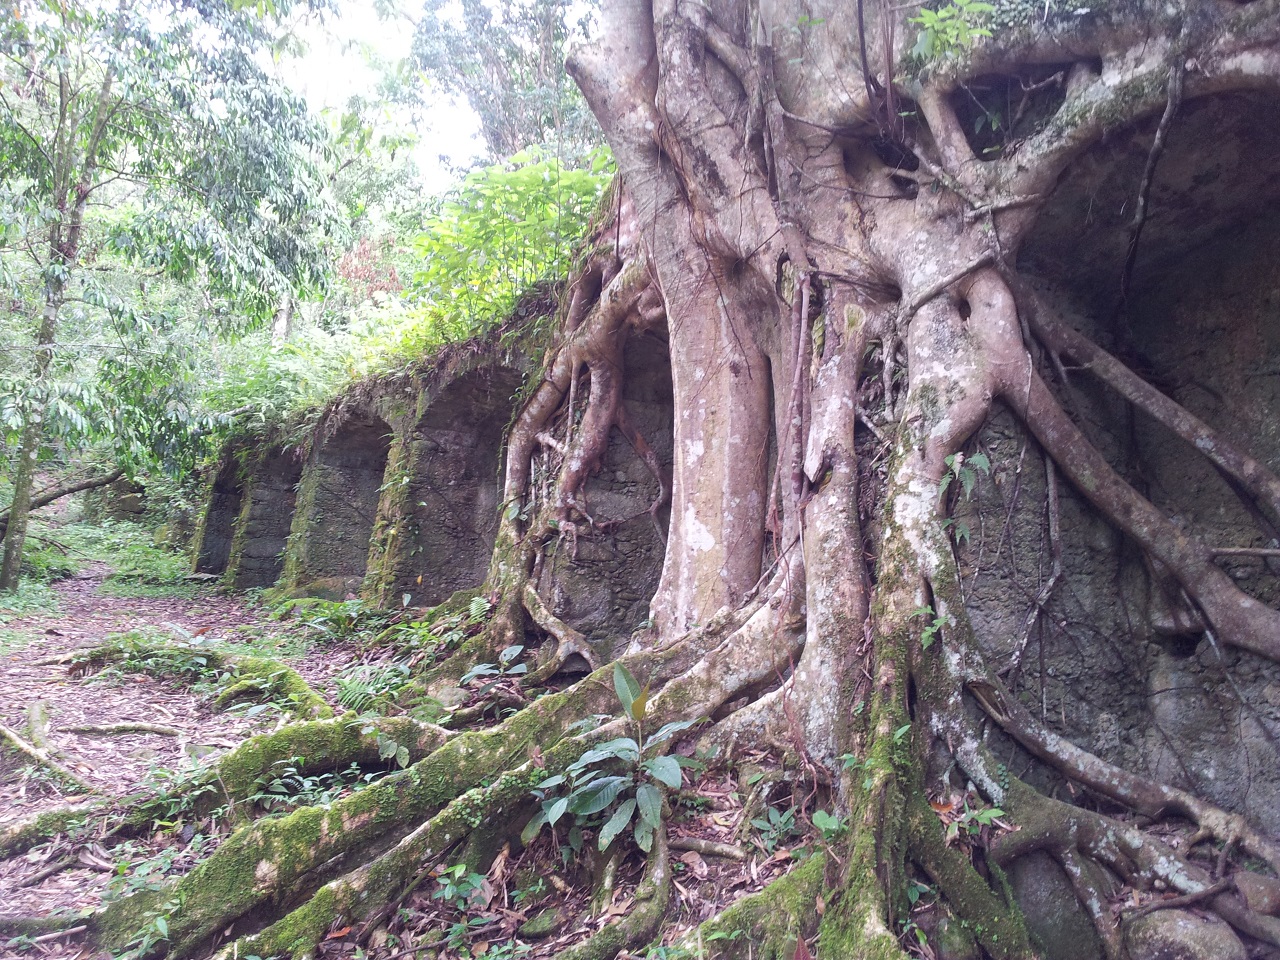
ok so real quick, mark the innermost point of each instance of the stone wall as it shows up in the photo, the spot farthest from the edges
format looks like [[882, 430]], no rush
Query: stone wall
[[602, 584], [262, 527], [217, 522], [438, 516], [336, 507], [1119, 663]]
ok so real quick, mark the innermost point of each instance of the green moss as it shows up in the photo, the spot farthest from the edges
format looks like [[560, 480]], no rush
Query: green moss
[[21, 837], [262, 679], [770, 921]]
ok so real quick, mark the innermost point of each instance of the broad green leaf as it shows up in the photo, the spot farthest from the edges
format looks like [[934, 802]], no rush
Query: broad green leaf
[[617, 823], [598, 795], [665, 770], [533, 827], [649, 800], [557, 810], [624, 684]]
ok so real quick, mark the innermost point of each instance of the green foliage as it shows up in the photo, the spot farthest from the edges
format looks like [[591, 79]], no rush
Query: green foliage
[[950, 29], [365, 686], [776, 827], [965, 469], [506, 228], [830, 826], [934, 625], [635, 796], [287, 786], [459, 886], [505, 667], [969, 821], [331, 619]]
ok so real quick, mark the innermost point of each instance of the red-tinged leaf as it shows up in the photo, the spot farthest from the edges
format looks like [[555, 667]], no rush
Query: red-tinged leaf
[[338, 934], [802, 951]]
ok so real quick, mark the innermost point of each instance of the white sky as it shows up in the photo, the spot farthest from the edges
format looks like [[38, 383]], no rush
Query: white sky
[[335, 67]]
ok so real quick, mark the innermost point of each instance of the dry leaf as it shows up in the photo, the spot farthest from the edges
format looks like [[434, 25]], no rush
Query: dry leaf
[[338, 934], [695, 863]]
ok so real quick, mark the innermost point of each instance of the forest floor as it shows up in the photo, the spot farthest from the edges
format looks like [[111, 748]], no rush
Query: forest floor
[[538, 888], [84, 610]]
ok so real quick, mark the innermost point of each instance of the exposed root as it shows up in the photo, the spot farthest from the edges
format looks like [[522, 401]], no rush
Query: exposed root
[[1144, 796], [45, 759], [639, 926], [22, 836], [568, 642]]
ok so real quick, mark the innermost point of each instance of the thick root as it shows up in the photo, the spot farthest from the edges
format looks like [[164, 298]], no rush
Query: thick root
[[639, 926]]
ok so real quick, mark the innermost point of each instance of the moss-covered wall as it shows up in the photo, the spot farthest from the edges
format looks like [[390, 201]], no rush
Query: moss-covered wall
[[217, 521], [438, 515], [337, 505], [271, 479]]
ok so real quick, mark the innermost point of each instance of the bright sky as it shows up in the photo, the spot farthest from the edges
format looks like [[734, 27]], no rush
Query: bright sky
[[337, 66]]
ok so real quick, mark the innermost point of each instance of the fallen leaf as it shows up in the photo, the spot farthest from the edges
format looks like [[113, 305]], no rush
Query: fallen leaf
[[695, 863], [338, 934], [802, 951]]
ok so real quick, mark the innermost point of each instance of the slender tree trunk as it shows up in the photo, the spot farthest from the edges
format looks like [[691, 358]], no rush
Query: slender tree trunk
[[24, 471], [64, 250]]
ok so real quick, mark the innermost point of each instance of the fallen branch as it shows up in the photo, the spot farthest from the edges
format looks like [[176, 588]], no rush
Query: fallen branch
[[65, 490], [709, 848], [44, 759], [112, 729]]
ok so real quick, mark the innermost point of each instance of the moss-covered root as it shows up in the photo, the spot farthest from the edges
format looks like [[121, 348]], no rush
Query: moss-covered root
[[314, 746], [364, 893], [275, 862], [771, 921], [996, 925], [259, 679], [640, 925], [22, 836]]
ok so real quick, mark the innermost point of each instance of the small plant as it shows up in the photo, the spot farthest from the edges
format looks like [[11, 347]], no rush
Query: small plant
[[966, 470], [776, 827], [636, 795], [950, 28], [935, 624], [459, 886], [831, 827], [331, 619], [503, 668], [362, 687]]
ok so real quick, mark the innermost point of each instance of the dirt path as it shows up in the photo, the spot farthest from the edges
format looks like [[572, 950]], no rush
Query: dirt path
[[118, 764]]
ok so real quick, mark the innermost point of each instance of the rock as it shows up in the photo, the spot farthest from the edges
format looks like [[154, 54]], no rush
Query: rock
[[452, 697], [1181, 935], [544, 923], [1260, 893], [1052, 911]]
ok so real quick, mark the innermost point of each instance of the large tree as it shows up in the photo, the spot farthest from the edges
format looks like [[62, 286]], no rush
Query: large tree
[[827, 232]]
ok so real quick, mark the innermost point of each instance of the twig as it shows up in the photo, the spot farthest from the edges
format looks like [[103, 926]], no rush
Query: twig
[[45, 938], [1148, 174], [1243, 552], [1186, 900]]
